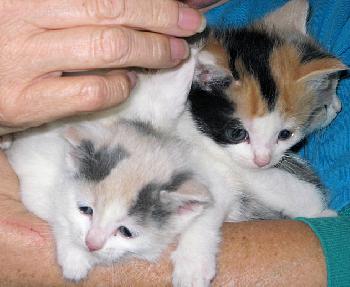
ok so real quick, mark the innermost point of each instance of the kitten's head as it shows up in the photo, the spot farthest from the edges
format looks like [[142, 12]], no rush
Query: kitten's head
[[259, 90], [131, 190]]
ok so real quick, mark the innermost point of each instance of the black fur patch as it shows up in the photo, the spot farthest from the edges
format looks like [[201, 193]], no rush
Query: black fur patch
[[212, 112], [95, 165], [310, 51], [254, 48], [149, 204]]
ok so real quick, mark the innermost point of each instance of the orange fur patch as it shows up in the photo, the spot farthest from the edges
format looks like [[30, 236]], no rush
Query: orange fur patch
[[217, 50], [246, 93], [294, 100], [319, 67]]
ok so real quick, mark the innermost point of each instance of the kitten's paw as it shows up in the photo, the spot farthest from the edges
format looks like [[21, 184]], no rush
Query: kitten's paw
[[327, 213], [193, 270], [6, 142], [75, 266]]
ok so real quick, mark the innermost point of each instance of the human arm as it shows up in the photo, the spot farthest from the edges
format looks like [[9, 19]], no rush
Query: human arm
[[271, 253]]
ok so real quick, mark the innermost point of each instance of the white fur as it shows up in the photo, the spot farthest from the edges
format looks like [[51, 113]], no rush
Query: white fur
[[263, 141], [49, 189]]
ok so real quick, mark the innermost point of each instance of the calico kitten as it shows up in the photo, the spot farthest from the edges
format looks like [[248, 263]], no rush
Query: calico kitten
[[108, 192], [257, 92]]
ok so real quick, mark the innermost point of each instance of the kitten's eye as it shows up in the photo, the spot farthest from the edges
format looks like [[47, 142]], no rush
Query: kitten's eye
[[236, 135], [86, 210], [125, 232], [284, 135]]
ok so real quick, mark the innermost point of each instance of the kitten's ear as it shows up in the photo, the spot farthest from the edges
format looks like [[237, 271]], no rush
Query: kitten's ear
[[190, 198], [210, 77], [75, 137], [292, 15], [212, 68], [320, 68]]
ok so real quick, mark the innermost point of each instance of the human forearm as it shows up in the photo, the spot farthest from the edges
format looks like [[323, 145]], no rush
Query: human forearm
[[265, 253]]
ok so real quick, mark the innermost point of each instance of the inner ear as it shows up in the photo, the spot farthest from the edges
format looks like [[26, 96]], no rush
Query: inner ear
[[190, 197], [293, 15], [320, 68], [212, 77]]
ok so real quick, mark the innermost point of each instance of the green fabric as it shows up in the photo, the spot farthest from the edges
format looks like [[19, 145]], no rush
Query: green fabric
[[334, 236]]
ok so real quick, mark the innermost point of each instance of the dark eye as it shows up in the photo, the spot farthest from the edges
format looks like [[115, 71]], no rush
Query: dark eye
[[236, 135], [86, 210], [125, 232], [284, 135]]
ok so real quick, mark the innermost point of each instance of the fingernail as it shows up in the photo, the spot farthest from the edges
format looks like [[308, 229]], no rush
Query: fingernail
[[132, 78], [191, 20], [179, 49]]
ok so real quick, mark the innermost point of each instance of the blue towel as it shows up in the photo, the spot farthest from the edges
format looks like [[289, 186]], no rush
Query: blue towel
[[328, 150]]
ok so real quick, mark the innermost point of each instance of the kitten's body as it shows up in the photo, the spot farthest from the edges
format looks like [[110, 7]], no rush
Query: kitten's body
[[257, 92], [117, 163]]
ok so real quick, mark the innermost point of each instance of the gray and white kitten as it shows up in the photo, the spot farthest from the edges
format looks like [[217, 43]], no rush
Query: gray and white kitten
[[111, 186]]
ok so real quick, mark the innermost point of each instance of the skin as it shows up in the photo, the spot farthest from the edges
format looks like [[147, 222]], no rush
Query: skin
[[269, 253], [41, 39]]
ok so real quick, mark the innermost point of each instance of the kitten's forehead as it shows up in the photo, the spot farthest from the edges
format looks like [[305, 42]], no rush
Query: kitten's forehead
[[136, 157], [266, 70]]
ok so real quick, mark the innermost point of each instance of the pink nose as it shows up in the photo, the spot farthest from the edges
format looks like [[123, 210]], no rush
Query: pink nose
[[92, 246], [95, 239], [262, 161]]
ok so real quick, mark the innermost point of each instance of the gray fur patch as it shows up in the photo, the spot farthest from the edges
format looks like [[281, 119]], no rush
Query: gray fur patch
[[253, 209], [149, 205], [95, 165], [144, 128], [296, 166]]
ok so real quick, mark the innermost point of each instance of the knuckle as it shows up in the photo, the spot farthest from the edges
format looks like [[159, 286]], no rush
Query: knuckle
[[112, 46], [121, 88], [105, 9], [9, 113], [160, 48], [93, 94]]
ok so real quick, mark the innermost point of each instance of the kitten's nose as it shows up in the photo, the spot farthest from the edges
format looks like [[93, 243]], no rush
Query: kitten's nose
[[262, 161], [92, 246], [95, 239]]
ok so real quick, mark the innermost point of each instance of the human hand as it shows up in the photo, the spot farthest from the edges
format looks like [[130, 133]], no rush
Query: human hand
[[41, 39]]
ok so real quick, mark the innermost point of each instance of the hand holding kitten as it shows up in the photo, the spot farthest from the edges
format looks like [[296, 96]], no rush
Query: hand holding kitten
[[41, 39]]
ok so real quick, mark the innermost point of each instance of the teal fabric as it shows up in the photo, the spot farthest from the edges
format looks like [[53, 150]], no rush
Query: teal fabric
[[328, 150], [333, 233]]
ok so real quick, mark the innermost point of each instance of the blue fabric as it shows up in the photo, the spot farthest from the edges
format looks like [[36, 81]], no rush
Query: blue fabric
[[328, 150]]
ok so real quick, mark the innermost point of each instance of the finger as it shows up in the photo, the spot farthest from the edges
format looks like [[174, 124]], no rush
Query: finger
[[164, 16], [55, 98], [101, 47]]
